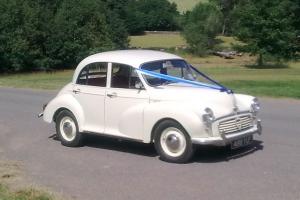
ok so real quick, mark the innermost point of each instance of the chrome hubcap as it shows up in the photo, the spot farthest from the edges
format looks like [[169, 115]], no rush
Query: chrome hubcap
[[173, 142], [68, 128]]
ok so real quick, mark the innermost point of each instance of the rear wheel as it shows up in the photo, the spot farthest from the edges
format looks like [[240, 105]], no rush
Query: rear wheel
[[67, 129], [172, 142]]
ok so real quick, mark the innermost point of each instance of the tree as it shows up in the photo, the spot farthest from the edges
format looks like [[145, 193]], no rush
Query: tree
[[56, 34], [159, 15], [268, 28], [145, 15], [201, 26], [226, 7], [24, 28], [149, 15]]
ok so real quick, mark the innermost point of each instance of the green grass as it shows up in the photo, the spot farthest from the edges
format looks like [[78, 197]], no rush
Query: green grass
[[157, 40], [29, 194], [283, 82], [172, 40], [38, 80], [185, 5], [259, 82], [228, 42]]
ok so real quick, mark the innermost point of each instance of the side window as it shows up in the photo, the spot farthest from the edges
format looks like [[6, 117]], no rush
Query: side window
[[124, 76], [94, 74]]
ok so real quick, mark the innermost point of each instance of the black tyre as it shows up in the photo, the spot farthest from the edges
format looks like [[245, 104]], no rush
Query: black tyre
[[67, 129], [172, 142]]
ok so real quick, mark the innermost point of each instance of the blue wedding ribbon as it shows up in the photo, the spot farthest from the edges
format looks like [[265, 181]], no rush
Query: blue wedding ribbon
[[181, 80]]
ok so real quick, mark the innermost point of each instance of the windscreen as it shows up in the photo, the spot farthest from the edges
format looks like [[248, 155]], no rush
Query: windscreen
[[179, 69]]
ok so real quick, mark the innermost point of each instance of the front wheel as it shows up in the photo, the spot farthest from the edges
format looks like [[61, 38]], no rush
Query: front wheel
[[172, 142], [67, 129]]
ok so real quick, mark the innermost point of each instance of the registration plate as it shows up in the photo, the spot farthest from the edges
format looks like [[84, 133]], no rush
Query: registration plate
[[241, 142]]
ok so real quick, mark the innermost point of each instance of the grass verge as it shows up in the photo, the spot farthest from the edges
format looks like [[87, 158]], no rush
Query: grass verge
[[40, 80], [29, 194], [282, 82]]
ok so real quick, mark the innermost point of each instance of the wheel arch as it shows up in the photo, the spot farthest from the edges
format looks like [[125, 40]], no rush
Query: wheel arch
[[182, 113], [64, 102], [159, 122], [59, 110]]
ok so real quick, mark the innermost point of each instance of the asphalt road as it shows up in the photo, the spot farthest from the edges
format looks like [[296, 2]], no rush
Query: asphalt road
[[110, 169]]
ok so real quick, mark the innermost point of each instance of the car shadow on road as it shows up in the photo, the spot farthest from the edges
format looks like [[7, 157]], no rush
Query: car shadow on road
[[212, 154], [115, 144], [203, 154]]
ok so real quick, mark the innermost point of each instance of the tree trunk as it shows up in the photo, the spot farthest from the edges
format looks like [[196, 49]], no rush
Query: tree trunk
[[260, 60], [224, 27]]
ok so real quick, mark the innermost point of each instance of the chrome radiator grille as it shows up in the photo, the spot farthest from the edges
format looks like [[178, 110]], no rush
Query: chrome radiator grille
[[236, 124]]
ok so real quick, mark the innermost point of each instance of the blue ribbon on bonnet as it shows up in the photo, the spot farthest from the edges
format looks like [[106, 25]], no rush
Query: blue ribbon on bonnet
[[181, 80]]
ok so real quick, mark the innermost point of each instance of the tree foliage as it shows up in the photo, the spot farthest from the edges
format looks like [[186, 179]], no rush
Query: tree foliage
[[268, 28], [201, 26], [42, 34], [23, 32], [81, 28], [55, 34], [151, 15]]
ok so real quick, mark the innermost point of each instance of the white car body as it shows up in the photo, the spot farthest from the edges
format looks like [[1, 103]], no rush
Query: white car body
[[133, 113]]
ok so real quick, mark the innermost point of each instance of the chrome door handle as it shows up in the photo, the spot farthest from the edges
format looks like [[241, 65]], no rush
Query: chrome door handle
[[76, 91], [112, 95]]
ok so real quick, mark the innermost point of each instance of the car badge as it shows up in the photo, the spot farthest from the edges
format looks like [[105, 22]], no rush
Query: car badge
[[235, 110], [238, 123]]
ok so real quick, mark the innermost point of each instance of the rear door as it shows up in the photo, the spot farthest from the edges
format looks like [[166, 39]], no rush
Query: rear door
[[90, 90]]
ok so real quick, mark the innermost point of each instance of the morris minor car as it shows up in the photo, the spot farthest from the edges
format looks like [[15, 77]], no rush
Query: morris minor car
[[151, 97]]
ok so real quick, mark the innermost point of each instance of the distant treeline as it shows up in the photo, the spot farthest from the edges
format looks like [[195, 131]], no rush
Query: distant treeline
[[43, 34], [57, 34]]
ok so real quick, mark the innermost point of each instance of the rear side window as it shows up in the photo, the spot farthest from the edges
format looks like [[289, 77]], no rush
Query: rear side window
[[94, 74]]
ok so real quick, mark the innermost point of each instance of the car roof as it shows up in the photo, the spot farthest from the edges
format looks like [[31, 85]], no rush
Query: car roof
[[134, 58]]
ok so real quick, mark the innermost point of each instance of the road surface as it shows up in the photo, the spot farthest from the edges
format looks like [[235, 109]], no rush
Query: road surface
[[111, 169]]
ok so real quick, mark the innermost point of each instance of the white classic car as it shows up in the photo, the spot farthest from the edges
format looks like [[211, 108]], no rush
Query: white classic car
[[151, 97]]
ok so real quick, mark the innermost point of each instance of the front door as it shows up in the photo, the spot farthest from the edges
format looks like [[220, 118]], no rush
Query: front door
[[90, 90], [125, 102]]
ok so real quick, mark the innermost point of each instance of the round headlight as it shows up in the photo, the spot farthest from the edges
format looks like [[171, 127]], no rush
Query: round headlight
[[255, 106], [208, 117]]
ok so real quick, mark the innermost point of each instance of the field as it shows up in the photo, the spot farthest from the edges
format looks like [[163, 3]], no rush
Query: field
[[184, 5], [156, 40], [233, 73]]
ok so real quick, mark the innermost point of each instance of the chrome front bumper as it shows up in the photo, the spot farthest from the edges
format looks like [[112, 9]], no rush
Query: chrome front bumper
[[224, 140]]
